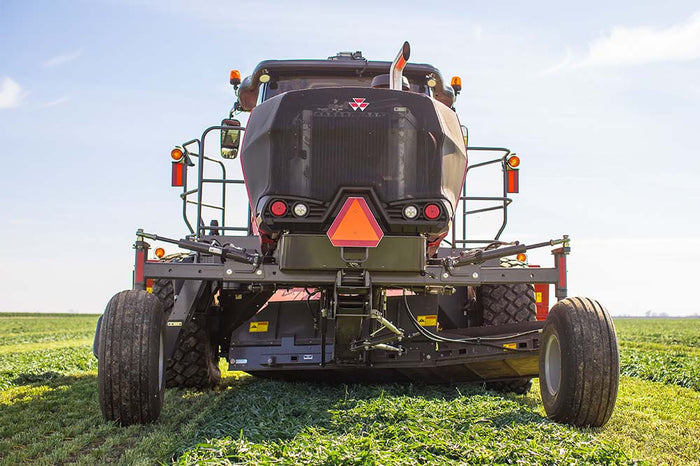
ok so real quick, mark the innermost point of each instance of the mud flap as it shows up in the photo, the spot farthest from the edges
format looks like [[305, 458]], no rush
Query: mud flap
[[194, 296]]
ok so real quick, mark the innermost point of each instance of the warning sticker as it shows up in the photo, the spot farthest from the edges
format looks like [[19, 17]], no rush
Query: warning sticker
[[258, 327], [538, 296], [427, 321], [510, 345]]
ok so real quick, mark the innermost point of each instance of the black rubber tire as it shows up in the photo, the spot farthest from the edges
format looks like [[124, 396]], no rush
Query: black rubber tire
[[579, 336], [194, 363], [131, 366], [507, 304]]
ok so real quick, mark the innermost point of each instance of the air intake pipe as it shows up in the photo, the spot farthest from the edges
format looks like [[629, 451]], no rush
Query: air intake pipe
[[397, 66]]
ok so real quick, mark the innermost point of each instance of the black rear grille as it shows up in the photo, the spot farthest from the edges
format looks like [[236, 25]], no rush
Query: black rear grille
[[349, 150], [320, 145]]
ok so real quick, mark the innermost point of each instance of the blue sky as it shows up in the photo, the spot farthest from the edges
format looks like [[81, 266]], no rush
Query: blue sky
[[600, 100]]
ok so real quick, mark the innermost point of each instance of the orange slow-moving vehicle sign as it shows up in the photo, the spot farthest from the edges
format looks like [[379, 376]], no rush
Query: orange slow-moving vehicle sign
[[355, 226]]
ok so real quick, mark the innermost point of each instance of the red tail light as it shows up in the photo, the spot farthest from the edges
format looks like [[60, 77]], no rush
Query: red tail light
[[278, 208], [431, 211]]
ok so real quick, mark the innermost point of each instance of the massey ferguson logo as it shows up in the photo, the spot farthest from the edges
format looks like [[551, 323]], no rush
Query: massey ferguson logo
[[358, 102]]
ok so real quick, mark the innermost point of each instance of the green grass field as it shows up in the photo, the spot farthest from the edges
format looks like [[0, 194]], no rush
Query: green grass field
[[49, 412]]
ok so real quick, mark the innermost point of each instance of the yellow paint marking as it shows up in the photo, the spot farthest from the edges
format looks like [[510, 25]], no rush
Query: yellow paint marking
[[427, 321]]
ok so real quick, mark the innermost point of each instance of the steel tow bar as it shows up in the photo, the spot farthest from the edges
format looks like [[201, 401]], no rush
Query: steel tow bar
[[477, 256], [227, 251]]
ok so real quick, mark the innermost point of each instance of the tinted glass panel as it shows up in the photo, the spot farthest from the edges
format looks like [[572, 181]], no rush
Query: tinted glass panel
[[296, 83]]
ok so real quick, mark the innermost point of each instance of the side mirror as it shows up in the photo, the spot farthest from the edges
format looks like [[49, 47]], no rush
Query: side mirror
[[230, 139]]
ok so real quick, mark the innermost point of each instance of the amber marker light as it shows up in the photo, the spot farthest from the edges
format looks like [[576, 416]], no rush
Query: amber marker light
[[513, 161], [456, 83], [235, 78], [176, 154], [521, 257], [160, 252]]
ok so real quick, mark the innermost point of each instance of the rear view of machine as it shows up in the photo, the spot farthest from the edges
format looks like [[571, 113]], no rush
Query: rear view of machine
[[355, 264]]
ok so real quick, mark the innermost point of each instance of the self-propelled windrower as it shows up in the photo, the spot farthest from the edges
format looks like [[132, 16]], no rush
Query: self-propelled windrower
[[354, 261]]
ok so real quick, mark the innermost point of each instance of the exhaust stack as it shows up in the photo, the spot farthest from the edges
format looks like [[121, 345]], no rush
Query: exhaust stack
[[397, 66]]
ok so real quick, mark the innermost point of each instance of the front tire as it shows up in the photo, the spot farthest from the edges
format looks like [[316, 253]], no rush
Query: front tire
[[579, 363], [194, 363], [131, 364]]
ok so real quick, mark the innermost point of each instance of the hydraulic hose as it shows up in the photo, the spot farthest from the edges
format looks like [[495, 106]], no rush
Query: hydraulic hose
[[484, 341]]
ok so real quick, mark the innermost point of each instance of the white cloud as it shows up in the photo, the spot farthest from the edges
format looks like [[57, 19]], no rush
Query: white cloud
[[59, 101], [11, 94], [61, 59], [642, 45], [565, 62]]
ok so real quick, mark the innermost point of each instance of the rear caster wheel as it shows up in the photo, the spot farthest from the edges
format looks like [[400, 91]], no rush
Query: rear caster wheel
[[131, 364], [579, 363]]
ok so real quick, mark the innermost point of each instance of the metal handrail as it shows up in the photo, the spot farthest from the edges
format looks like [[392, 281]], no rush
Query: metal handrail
[[504, 200], [201, 181]]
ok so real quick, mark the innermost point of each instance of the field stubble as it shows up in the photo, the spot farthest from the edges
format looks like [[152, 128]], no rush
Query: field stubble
[[49, 412]]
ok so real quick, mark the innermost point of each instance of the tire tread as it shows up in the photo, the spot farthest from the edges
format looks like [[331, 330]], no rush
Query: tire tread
[[129, 342], [590, 363], [194, 363], [508, 304]]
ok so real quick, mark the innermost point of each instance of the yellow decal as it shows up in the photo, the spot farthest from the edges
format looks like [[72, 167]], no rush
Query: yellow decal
[[510, 345], [538, 296], [427, 321], [149, 289], [258, 327]]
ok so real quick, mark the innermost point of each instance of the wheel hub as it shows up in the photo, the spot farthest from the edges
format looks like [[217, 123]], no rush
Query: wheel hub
[[552, 365], [161, 368]]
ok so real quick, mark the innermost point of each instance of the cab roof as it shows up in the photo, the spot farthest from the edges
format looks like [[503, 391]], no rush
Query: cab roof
[[342, 64]]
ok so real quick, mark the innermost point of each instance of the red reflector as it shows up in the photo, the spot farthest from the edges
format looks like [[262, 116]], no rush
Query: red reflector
[[178, 178], [355, 226], [561, 265], [278, 208], [513, 181], [138, 272], [431, 211], [541, 298]]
